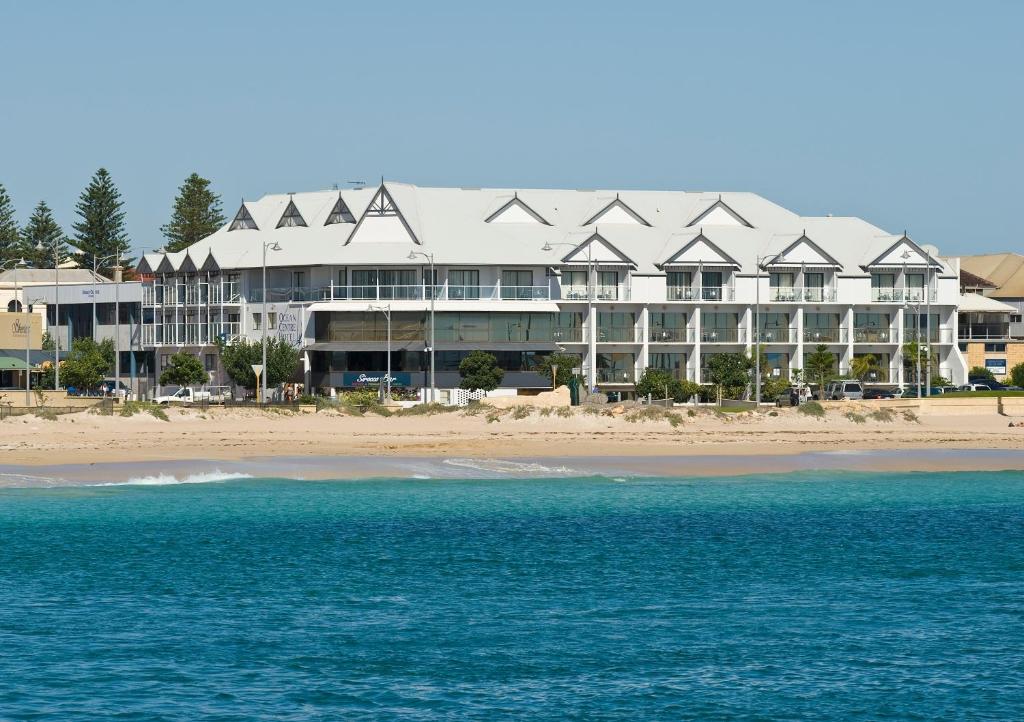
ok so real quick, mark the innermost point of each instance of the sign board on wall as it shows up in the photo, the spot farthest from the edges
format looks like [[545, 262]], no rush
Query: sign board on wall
[[374, 378], [996, 366], [14, 327]]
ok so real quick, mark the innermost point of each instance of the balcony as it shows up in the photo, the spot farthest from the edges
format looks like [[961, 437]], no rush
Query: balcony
[[795, 294], [670, 335], [624, 334], [705, 293], [616, 376], [901, 295], [996, 332], [722, 335], [569, 335], [938, 335], [825, 335], [445, 292], [777, 335], [601, 293], [873, 335]]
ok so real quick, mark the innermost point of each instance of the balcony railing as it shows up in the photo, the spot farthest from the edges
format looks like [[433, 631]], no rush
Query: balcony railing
[[984, 333], [615, 334], [777, 335], [795, 294], [825, 335], [900, 295], [670, 335], [722, 335], [698, 293], [601, 293], [575, 334], [938, 335], [421, 292], [873, 335], [616, 376]]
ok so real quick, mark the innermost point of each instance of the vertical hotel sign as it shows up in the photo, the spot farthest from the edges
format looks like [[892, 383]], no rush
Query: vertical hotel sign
[[15, 327]]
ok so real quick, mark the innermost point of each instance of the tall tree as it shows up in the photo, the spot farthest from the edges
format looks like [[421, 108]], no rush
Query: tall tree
[[197, 214], [10, 238], [42, 229], [101, 231]]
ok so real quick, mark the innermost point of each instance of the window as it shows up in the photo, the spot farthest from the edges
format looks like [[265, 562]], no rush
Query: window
[[210, 362], [516, 284], [1014, 317], [257, 322], [995, 348], [14, 306], [464, 284], [165, 360], [607, 285], [243, 221], [674, 363], [291, 217], [298, 279], [814, 280], [340, 214], [774, 327]]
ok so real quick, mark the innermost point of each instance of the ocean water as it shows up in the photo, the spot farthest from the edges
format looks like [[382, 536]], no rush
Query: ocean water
[[838, 596]]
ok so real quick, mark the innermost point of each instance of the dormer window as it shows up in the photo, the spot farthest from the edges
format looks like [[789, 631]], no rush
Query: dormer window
[[243, 221], [291, 217], [340, 213]]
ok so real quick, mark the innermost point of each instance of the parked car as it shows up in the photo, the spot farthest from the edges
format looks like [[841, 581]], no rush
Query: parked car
[[877, 393], [992, 384], [185, 395], [976, 387], [850, 390]]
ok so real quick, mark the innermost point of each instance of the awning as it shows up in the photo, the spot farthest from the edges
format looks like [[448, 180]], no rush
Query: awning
[[9, 363], [439, 306], [976, 303]]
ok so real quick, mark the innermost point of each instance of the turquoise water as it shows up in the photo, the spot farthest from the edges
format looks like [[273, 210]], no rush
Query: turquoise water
[[838, 596]]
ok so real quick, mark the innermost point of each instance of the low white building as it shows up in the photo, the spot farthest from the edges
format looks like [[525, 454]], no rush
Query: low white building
[[624, 279]]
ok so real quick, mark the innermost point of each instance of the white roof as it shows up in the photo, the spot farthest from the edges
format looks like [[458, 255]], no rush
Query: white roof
[[452, 224], [976, 303]]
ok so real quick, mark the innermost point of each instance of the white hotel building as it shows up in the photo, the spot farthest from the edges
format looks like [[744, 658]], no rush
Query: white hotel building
[[623, 279]]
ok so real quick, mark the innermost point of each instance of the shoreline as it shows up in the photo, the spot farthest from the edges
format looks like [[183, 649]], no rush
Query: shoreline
[[96, 448]]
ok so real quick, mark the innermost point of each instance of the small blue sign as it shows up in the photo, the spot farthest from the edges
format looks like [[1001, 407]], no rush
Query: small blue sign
[[375, 378]]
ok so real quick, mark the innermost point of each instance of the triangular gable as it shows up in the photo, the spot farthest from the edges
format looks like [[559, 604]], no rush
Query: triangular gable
[[516, 211], [904, 252], [210, 265], [144, 266], [165, 265], [617, 212], [340, 213], [291, 218], [243, 221], [699, 251], [719, 214], [382, 222], [187, 264], [804, 252], [601, 251]]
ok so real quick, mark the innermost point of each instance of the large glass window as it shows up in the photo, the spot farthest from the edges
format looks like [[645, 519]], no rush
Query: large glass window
[[616, 326], [774, 327], [667, 327], [674, 363], [291, 217], [464, 284], [607, 285], [711, 285], [822, 328], [517, 285], [680, 285], [719, 326]]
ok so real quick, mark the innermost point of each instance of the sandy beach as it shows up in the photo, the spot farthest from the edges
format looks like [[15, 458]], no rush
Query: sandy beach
[[705, 443]]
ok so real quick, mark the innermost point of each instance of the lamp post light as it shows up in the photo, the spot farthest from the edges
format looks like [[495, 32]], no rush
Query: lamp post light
[[591, 321], [917, 341], [97, 263], [386, 310], [15, 265], [761, 261], [55, 249], [433, 293], [272, 246]]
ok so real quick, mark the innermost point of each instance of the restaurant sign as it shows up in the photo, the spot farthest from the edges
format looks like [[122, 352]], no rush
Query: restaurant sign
[[15, 329], [374, 378]]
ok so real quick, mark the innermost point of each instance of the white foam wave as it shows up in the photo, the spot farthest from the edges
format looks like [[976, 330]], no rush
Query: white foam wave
[[212, 477], [505, 466]]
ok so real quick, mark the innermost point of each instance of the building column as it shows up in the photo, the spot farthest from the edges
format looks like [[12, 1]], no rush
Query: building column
[[849, 338], [644, 331], [696, 343], [798, 361]]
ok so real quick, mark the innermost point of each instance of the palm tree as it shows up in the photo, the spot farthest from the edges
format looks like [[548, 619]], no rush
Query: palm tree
[[863, 366]]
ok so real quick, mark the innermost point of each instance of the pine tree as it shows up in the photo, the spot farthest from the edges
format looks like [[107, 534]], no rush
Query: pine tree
[[10, 238], [197, 214], [101, 231], [42, 229]]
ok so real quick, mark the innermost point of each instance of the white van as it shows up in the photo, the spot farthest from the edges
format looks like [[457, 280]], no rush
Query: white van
[[851, 390]]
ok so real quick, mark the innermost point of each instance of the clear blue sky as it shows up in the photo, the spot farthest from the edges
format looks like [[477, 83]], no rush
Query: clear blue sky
[[908, 114]]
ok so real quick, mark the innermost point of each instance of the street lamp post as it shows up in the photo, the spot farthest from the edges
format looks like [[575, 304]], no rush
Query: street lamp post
[[591, 321], [96, 264], [15, 265], [55, 249], [433, 293], [273, 246], [917, 341], [386, 310], [760, 261]]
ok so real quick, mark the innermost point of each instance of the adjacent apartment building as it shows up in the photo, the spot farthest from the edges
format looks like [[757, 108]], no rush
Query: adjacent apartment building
[[991, 328], [623, 280]]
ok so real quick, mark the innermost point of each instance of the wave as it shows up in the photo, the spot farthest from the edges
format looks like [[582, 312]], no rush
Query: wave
[[506, 466], [212, 477]]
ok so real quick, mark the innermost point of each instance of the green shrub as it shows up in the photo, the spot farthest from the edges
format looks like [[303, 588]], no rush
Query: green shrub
[[592, 410], [691, 413], [493, 417], [45, 414], [564, 411], [475, 408], [307, 399], [521, 412], [886, 415], [811, 408], [855, 417], [545, 411], [910, 416], [426, 410]]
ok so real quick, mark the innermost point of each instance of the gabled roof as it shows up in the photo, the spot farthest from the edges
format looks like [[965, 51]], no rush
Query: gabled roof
[[1005, 270], [700, 250], [387, 221], [803, 252], [616, 212], [904, 252], [605, 252], [187, 264], [243, 220], [165, 265], [719, 214], [149, 262], [340, 213], [210, 264], [291, 218], [516, 211]]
